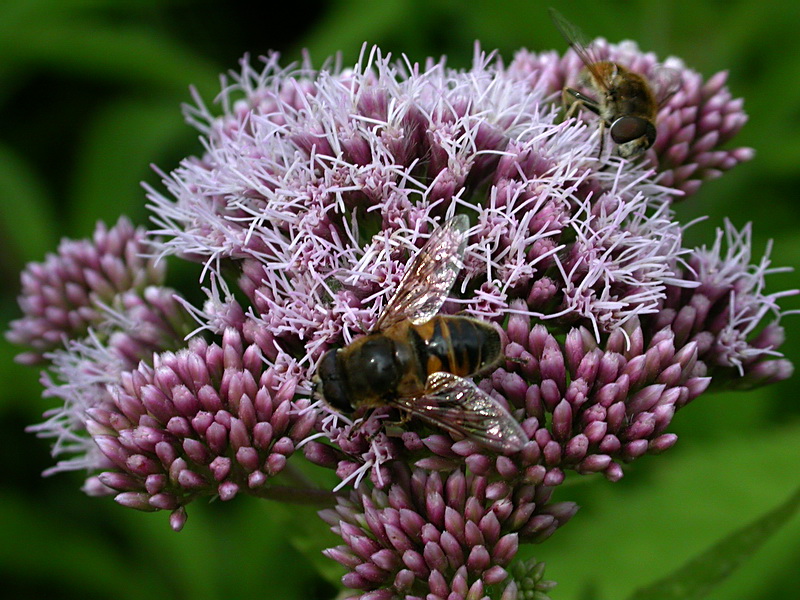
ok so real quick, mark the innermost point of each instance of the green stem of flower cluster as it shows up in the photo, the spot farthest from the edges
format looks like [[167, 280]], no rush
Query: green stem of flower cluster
[[297, 495]]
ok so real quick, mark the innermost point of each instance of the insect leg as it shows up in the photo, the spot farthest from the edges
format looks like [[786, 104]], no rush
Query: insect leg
[[516, 360], [575, 100], [602, 140]]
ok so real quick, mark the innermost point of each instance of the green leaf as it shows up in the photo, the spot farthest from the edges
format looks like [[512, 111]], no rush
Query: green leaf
[[236, 549], [27, 223], [80, 561], [89, 43], [310, 535], [674, 506], [120, 145], [706, 571], [93, 548]]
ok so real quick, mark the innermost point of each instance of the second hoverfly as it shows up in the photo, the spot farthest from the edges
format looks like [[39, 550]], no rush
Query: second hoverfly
[[418, 362], [626, 102]]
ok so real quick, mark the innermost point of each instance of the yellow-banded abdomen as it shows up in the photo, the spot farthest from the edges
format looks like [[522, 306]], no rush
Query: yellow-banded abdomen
[[455, 344]]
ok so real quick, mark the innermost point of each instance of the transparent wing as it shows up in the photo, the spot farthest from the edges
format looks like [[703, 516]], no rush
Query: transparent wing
[[665, 81], [577, 41], [459, 406], [429, 276]]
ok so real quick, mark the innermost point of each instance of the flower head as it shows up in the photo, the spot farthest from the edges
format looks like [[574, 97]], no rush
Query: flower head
[[65, 295], [725, 313], [316, 188], [93, 311], [206, 420], [432, 537]]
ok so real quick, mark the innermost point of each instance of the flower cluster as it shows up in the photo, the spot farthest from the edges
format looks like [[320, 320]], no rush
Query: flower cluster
[[725, 313], [429, 538], [315, 189], [207, 417], [68, 293], [93, 311]]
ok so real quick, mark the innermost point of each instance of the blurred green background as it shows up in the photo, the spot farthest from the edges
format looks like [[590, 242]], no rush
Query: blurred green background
[[89, 98]]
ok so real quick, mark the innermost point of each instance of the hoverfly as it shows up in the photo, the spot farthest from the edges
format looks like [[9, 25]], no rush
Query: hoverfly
[[417, 361], [627, 103]]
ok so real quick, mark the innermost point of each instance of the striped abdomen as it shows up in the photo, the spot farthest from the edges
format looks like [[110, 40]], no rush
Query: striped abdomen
[[459, 345]]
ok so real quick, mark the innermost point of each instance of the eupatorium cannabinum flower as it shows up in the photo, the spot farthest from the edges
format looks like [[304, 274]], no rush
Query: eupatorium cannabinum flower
[[314, 189]]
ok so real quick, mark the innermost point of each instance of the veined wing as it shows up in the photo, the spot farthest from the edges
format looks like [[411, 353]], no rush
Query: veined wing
[[665, 82], [457, 405], [577, 41], [429, 276]]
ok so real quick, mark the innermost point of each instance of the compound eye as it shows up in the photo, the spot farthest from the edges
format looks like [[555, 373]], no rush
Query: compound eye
[[334, 387], [627, 129]]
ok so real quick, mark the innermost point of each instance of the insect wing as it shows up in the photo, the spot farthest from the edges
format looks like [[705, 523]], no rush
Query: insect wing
[[577, 41], [429, 277], [459, 406], [665, 82]]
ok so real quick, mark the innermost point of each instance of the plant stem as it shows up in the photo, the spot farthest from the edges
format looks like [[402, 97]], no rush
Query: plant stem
[[297, 495]]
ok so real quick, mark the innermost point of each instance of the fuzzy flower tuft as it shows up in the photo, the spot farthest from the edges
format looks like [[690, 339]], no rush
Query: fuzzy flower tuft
[[733, 321]]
